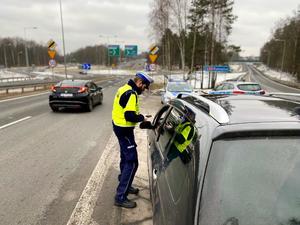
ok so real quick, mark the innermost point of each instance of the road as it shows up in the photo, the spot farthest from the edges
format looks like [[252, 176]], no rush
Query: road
[[47, 158], [268, 84]]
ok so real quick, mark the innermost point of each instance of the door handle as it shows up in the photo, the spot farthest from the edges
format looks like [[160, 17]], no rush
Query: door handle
[[154, 173]]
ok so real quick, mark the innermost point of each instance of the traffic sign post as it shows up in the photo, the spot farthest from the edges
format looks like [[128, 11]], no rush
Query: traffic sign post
[[51, 52], [114, 50], [224, 69], [86, 66], [153, 53], [131, 50], [51, 45]]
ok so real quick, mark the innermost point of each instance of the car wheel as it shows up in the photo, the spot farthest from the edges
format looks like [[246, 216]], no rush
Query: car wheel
[[100, 103], [90, 106], [54, 109]]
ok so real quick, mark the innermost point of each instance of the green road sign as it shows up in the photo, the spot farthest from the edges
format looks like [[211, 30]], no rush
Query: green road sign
[[131, 50], [114, 50]]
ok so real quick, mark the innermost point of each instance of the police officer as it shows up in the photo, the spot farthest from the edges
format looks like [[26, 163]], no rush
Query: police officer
[[125, 115]]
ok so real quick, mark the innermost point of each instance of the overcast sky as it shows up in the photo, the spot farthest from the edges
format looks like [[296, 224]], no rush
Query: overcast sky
[[123, 22]]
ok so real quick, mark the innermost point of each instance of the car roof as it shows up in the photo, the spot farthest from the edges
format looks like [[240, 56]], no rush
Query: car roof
[[258, 109], [245, 109], [239, 82]]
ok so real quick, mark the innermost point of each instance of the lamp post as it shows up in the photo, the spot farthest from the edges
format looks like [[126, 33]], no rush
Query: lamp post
[[283, 55], [108, 41], [63, 38], [5, 58], [19, 53], [269, 56], [25, 45]]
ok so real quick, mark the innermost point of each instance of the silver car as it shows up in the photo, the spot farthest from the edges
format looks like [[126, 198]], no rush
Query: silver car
[[237, 87], [173, 88]]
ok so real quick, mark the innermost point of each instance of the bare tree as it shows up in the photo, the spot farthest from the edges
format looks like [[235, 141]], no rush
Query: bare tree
[[180, 9]]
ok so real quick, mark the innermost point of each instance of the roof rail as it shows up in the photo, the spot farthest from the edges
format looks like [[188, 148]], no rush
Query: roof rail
[[216, 111]]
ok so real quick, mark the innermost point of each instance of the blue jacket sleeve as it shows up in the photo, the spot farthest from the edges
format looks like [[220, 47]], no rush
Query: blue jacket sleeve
[[132, 117]]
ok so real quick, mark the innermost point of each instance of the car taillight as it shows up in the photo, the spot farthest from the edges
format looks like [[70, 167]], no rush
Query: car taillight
[[82, 89], [238, 92], [53, 88]]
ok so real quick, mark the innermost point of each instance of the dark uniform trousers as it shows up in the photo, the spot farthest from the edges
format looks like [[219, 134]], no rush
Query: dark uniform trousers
[[128, 162]]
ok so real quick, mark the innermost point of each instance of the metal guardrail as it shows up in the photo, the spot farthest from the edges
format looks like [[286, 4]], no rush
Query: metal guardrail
[[21, 87], [13, 79]]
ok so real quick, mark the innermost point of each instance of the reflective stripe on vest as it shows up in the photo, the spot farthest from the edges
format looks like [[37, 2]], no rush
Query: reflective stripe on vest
[[118, 112], [184, 129]]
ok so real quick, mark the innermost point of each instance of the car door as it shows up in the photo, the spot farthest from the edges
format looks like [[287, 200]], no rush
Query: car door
[[155, 160], [174, 178]]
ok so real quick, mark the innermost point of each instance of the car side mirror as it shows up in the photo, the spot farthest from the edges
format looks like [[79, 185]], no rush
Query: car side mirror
[[99, 88], [146, 125]]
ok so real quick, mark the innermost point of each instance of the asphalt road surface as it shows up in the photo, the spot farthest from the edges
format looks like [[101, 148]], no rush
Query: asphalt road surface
[[47, 158]]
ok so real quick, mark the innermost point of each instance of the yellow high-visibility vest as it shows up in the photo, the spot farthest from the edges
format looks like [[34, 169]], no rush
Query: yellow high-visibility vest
[[118, 112], [185, 130]]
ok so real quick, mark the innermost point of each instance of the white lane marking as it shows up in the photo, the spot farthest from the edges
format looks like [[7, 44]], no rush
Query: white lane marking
[[27, 96], [82, 213], [17, 121]]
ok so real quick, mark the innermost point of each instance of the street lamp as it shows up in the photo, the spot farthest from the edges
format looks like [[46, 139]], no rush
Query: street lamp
[[269, 56], [25, 45], [283, 55], [108, 41], [63, 38]]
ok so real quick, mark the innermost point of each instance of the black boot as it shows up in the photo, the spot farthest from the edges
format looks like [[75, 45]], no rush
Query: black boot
[[126, 204], [133, 191]]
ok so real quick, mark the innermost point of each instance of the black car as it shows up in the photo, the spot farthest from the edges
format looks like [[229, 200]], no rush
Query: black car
[[241, 168], [75, 94]]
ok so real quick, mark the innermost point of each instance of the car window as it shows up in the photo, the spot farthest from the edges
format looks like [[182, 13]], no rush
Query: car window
[[252, 181], [178, 173], [230, 86], [176, 87], [167, 129], [93, 86], [219, 87], [227, 87], [160, 116], [249, 87]]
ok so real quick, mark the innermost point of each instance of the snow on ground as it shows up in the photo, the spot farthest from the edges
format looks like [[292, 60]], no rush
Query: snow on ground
[[236, 68], [9, 74], [276, 74], [112, 72], [48, 75]]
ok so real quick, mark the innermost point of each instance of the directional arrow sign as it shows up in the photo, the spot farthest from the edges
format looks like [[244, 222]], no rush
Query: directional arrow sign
[[131, 50], [114, 50]]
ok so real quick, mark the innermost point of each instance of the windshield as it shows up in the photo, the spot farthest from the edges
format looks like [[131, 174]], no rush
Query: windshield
[[249, 87], [179, 87], [254, 181]]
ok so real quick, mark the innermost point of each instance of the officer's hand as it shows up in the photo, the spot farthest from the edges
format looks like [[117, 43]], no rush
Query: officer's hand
[[146, 125]]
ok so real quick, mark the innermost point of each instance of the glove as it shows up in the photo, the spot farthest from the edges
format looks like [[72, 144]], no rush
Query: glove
[[146, 125]]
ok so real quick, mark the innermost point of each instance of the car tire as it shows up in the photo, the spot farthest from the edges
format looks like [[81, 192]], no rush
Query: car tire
[[90, 106], [101, 100], [54, 109]]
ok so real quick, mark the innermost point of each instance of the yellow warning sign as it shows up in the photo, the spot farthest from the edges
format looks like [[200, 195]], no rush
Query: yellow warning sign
[[153, 58], [51, 54], [154, 50], [51, 44]]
